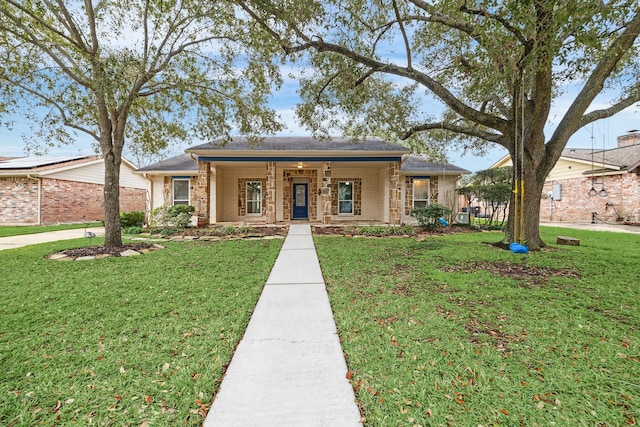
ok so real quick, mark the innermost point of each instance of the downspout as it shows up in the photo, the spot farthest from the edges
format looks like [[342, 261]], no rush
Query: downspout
[[37, 178]]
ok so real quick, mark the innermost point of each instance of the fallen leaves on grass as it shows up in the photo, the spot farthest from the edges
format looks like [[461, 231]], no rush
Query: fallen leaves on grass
[[528, 274]]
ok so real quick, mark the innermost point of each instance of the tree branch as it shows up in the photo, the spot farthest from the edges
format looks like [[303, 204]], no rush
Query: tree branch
[[614, 109], [55, 104], [407, 47], [573, 119], [510, 28], [465, 130]]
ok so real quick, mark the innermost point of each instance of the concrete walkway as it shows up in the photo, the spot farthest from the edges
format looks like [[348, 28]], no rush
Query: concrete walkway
[[289, 368], [13, 242], [598, 226]]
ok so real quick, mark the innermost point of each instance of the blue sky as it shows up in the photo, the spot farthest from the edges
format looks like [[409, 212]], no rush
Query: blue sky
[[604, 131]]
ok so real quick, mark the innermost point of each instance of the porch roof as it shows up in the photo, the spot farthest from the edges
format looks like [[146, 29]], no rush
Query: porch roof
[[413, 164], [299, 146]]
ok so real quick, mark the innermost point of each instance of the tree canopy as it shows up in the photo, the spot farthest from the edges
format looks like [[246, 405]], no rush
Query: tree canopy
[[148, 72], [465, 71]]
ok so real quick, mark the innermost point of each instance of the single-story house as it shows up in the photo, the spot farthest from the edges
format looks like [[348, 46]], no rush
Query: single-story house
[[593, 184], [280, 179], [62, 189]]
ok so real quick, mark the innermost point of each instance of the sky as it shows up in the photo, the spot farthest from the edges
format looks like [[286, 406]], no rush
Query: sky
[[602, 134]]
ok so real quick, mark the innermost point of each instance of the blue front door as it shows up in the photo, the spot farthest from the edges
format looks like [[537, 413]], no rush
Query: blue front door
[[300, 201]]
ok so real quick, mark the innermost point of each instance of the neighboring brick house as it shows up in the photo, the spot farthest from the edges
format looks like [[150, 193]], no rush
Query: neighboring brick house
[[289, 178], [51, 190], [574, 192]]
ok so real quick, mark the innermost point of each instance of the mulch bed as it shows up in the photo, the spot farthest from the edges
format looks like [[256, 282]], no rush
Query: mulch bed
[[104, 250]]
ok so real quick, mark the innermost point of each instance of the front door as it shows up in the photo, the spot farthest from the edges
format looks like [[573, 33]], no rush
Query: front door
[[300, 201]]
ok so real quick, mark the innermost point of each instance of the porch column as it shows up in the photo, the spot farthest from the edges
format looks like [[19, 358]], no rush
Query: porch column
[[270, 195], [395, 193], [325, 194], [202, 193]]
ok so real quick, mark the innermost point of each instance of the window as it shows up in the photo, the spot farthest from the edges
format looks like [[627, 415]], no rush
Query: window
[[420, 193], [254, 198], [345, 197], [181, 191]]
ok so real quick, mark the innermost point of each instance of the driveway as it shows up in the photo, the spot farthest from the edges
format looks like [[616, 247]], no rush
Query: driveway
[[13, 242]]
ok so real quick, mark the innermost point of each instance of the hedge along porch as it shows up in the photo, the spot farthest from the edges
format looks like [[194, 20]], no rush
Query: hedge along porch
[[287, 179]]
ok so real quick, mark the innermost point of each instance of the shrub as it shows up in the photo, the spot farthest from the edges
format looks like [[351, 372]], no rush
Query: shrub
[[428, 216], [178, 216], [135, 229], [131, 219], [375, 230]]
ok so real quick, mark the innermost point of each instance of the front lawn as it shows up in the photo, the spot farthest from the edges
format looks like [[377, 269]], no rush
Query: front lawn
[[451, 331], [123, 341]]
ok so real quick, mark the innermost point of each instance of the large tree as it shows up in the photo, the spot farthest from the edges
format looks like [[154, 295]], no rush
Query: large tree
[[149, 71], [467, 71]]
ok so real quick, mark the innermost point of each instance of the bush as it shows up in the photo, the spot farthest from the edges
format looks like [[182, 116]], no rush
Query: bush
[[132, 230], [131, 219], [178, 216], [428, 217]]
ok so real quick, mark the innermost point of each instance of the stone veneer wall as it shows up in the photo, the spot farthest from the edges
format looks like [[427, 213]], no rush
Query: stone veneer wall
[[395, 193], [357, 195], [326, 192], [433, 189], [269, 208], [408, 195], [201, 195], [623, 192], [242, 194], [289, 175]]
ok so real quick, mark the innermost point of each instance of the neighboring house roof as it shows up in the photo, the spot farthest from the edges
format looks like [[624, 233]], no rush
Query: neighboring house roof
[[614, 159], [39, 166], [306, 144], [183, 163], [89, 169], [31, 163], [415, 164]]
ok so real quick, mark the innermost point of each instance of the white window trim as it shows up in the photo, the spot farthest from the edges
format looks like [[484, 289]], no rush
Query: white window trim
[[173, 191], [346, 200], [246, 194], [413, 192]]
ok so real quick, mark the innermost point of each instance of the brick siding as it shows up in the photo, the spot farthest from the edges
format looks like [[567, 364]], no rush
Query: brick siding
[[18, 201], [623, 193], [61, 201]]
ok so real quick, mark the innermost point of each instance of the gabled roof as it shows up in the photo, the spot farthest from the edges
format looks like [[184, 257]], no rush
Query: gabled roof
[[304, 144], [24, 163], [413, 164], [183, 163], [614, 159], [48, 165]]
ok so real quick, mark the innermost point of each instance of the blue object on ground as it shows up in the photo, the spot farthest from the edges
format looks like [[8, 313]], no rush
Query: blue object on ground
[[518, 248], [443, 222]]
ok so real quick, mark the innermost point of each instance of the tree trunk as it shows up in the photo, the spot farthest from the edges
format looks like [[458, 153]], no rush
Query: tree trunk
[[112, 231], [524, 220]]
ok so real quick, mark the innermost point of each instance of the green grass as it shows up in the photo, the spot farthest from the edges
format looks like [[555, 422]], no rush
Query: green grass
[[19, 230], [124, 341], [452, 331]]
